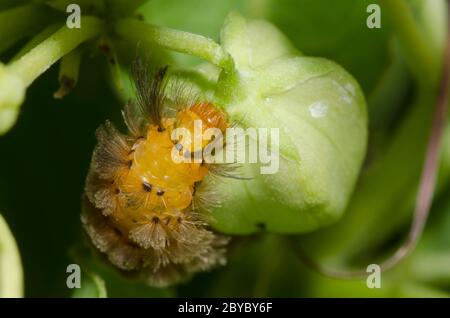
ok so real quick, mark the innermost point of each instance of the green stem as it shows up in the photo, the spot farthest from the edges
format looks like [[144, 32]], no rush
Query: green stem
[[420, 57], [17, 76], [175, 40], [38, 38], [38, 60]]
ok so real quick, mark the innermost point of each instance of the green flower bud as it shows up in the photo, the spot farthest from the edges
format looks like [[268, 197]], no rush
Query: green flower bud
[[12, 94], [320, 112]]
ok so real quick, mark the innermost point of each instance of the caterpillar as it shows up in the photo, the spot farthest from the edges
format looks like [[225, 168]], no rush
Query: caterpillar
[[140, 209]]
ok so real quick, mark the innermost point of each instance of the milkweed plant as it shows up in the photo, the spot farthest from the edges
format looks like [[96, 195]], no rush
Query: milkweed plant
[[351, 96]]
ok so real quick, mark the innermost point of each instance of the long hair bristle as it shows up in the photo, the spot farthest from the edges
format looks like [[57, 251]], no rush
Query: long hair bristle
[[150, 89], [228, 170], [134, 120], [110, 154]]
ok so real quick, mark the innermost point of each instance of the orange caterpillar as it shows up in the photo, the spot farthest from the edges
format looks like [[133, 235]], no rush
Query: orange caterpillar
[[140, 206]]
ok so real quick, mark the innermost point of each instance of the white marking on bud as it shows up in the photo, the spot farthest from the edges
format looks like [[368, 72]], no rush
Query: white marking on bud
[[318, 109]]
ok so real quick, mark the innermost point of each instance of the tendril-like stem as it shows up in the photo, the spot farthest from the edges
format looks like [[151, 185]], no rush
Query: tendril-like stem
[[175, 40]]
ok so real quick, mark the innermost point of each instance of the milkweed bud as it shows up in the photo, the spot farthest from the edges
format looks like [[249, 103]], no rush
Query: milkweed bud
[[320, 113]]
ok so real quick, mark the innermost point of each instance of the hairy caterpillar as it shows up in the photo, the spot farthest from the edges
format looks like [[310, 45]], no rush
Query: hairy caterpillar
[[140, 208]]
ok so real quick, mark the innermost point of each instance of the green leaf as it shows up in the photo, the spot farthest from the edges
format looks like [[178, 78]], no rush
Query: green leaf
[[11, 276]]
